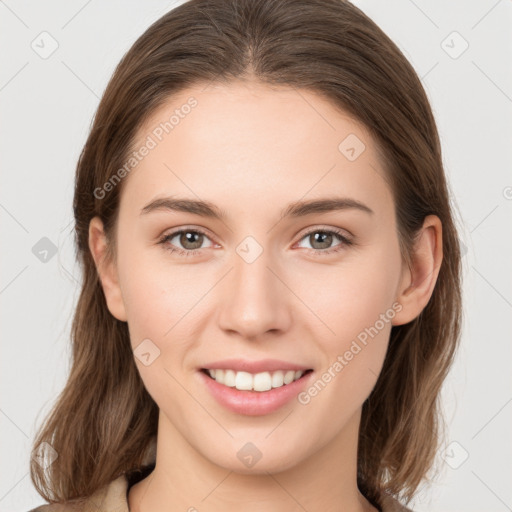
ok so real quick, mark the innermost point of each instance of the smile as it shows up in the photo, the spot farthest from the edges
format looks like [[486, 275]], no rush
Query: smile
[[263, 381], [254, 394]]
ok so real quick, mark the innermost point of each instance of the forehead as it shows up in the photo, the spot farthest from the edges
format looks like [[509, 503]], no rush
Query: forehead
[[255, 142]]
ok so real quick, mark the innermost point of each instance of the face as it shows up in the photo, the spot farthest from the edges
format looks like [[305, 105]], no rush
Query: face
[[264, 281]]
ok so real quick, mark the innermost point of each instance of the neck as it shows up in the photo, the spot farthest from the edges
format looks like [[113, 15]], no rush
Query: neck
[[185, 480]]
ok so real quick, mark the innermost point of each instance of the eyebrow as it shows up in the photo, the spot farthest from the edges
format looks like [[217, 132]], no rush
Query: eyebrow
[[296, 209]]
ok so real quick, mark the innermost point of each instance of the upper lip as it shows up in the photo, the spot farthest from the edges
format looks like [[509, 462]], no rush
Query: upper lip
[[245, 365]]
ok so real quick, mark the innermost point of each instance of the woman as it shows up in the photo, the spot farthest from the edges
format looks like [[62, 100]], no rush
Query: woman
[[271, 292]]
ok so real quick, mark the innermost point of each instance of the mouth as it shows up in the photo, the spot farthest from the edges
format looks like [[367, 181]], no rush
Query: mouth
[[254, 387], [256, 382]]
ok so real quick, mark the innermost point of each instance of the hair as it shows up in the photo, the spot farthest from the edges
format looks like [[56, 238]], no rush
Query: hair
[[104, 419]]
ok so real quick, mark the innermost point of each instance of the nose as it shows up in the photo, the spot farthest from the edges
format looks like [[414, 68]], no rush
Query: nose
[[253, 299]]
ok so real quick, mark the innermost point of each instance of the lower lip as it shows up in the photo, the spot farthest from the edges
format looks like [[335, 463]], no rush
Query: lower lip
[[254, 403]]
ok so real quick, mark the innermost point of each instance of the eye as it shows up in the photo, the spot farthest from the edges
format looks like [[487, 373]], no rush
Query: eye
[[190, 239], [320, 240]]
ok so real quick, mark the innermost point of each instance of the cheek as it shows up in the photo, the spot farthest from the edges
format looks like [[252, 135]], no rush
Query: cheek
[[357, 306], [350, 297], [159, 302], [165, 306], [156, 294]]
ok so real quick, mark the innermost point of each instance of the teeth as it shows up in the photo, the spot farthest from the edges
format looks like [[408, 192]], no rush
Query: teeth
[[277, 379], [263, 381], [243, 381], [229, 378]]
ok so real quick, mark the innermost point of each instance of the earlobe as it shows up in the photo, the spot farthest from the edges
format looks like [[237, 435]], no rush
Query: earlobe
[[106, 269], [419, 281]]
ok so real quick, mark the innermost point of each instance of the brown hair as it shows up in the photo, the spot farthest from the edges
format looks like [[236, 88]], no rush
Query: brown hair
[[104, 418]]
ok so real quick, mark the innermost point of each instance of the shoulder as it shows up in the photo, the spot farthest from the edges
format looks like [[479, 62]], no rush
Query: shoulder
[[55, 507], [390, 504], [110, 498]]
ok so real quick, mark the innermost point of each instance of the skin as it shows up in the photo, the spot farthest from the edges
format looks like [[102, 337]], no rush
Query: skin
[[252, 150]]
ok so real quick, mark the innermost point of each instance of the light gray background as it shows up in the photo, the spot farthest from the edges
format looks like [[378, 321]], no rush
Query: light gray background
[[47, 106]]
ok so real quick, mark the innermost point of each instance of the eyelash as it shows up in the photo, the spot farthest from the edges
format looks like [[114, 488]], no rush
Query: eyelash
[[332, 231]]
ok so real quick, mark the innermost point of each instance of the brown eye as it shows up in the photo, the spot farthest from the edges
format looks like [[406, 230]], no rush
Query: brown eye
[[186, 242], [321, 240], [191, 239]]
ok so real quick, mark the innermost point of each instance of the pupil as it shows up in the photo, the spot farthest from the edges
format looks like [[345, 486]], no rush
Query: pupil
[[188, 238], [323, 238]]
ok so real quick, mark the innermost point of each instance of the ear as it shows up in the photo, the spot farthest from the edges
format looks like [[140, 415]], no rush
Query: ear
[[107, 270], [418, 281]]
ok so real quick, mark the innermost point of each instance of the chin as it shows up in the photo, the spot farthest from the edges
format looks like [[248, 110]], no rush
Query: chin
[[251, 460]]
